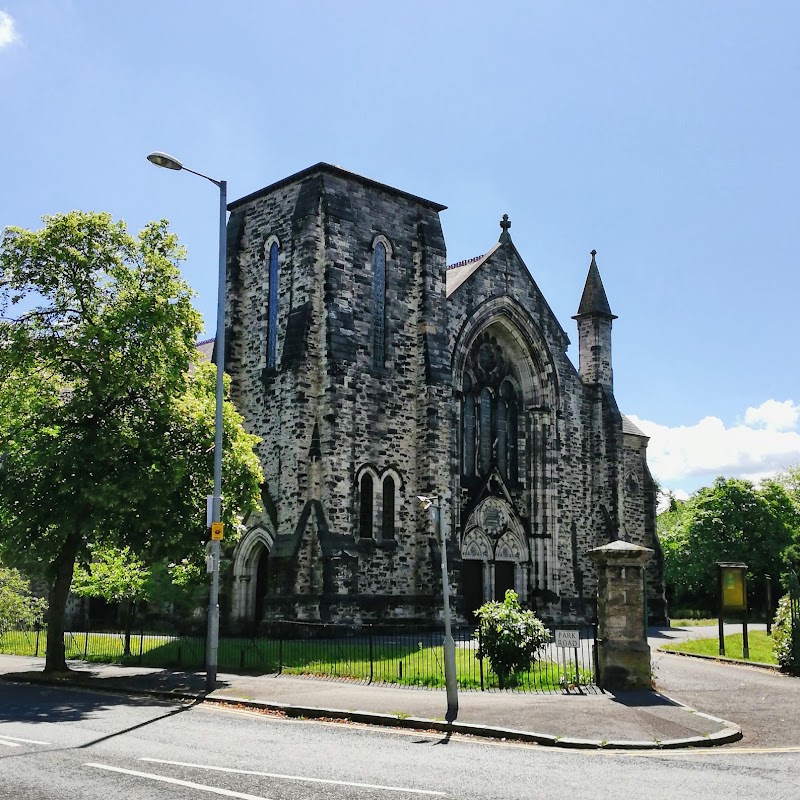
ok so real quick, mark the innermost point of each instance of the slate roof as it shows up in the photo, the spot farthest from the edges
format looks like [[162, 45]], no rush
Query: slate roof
[[206, 347], [594, 302], [332, 169], [206, 351], [629, 427], [459, 272]]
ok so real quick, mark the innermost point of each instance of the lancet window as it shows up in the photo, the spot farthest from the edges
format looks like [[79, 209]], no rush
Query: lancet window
[[490, 403], [272, 307]]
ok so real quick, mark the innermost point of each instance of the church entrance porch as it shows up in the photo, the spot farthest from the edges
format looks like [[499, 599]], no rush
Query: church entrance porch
[[494, 556]]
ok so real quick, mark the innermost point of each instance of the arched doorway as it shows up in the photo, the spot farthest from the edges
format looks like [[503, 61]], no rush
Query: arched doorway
[[251, 576], [494, 556]]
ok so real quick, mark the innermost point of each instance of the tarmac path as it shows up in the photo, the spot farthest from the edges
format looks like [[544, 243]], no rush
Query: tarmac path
[[764, 702]]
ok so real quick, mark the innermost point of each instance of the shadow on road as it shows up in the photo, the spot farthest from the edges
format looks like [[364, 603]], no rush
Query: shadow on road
[[642, 699]]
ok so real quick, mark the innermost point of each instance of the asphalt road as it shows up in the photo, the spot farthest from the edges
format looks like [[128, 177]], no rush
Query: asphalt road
[[66, 743]]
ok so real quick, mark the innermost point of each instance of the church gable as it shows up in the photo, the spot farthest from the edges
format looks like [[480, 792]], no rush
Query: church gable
[[501, 271]]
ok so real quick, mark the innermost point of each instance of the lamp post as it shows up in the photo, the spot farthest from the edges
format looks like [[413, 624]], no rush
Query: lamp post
[[449, 644], [212, 644]]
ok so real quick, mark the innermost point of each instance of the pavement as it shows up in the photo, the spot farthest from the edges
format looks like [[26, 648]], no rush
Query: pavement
[[660, 719]]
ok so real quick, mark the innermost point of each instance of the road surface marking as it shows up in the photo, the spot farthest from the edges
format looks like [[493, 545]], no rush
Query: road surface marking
[[17, 739], [176, 782], [10, 744], [704, 751], [296, 777]]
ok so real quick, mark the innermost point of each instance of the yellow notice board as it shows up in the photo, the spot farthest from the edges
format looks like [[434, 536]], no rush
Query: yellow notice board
[[216, 531], [733, 595]]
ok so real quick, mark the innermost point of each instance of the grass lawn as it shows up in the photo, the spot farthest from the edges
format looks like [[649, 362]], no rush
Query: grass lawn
[[690, 623], [760, 647], [404, 661]]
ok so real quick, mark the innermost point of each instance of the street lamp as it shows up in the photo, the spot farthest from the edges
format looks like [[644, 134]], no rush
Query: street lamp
[[449, 645], [212, 645]]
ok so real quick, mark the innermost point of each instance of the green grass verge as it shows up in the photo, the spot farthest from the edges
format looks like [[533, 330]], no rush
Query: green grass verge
[[760, 647], [403, 663]]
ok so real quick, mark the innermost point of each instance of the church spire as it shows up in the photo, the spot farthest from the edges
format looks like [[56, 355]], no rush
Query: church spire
[[594, 319], [594, 302]]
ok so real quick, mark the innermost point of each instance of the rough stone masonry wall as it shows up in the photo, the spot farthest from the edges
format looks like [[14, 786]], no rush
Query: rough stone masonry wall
[[388, 418], [640, 521], [560, 501], [273, 402], [384, 417]]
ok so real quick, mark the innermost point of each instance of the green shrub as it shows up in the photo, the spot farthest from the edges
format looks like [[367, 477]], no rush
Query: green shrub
[[784, 647], [18, 606], [509, 637]]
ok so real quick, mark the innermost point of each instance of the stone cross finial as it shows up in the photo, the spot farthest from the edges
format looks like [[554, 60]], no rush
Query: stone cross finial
[[593, 253], [505, 223]]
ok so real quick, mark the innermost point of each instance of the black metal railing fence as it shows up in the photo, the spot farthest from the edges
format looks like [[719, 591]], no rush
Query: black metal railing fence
[[368, 654]]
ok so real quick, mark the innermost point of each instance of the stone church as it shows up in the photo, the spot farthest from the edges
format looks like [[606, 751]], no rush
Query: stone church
[[374, 373]]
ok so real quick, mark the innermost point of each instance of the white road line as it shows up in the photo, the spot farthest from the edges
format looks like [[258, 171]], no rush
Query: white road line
[[297, 777], [10, 744], [176, 782], [17, 739]]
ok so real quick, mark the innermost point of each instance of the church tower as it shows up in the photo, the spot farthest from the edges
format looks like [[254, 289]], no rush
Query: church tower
[[594, 319]]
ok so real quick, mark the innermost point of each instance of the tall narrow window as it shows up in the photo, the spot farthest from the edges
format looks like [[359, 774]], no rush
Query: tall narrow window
[[272, 309], [502, 450], [469, 436], [379, 306], [387, 528], [511, 424], [486, 431], [365, 522]]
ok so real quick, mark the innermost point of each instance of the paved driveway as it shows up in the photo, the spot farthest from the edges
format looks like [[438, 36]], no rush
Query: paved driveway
[[764, 702]]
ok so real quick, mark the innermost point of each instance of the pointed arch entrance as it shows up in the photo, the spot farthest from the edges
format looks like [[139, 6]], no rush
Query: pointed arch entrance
[[494, 555], [251, 576]]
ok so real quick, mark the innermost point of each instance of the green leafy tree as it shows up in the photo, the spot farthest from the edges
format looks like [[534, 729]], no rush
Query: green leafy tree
[[509, 637], [105, 439], [731, 520], [18, 606], [789, 481], [117, 576]]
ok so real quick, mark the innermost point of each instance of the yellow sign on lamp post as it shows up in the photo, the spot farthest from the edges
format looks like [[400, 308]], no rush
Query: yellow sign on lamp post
[[732, 580], [216, 531]]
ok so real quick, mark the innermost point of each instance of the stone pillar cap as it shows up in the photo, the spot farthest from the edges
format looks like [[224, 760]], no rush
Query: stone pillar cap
[[619, 550]]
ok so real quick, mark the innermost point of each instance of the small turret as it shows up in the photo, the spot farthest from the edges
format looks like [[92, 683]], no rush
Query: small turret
[[594, 319]]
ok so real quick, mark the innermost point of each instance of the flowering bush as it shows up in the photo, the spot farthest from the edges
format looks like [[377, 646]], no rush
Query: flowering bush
[[509, 637], [782, 645]]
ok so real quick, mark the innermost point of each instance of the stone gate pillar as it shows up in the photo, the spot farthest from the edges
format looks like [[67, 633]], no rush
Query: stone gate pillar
[[623, 652]]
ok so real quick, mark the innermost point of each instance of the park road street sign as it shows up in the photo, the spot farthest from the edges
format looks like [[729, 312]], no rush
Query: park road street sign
[[568, 639], [216, 531]]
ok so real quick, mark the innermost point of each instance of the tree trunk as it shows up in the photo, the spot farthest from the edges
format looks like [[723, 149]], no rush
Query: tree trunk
[[130, 610], [63, 567]]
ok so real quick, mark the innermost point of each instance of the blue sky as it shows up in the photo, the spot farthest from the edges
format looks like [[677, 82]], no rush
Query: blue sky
[[664, 135]]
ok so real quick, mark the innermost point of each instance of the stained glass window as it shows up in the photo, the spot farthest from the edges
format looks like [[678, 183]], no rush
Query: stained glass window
[[379, 306], [272, 307], [486, 431], [513, 469], [469, 436], [502, 440]]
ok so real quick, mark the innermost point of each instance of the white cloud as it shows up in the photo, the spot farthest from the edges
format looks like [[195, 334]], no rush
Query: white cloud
[[773, 415], [8, 32], [689, 456]]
